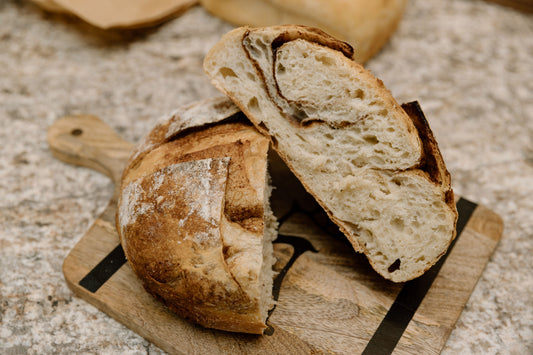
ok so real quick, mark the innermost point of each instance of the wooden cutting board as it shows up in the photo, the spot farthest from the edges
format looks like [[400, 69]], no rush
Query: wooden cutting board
[[329, 298]]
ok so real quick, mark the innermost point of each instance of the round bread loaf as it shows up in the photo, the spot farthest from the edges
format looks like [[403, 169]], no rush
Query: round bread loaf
[[119, 13], [194, 220], [366, 25]]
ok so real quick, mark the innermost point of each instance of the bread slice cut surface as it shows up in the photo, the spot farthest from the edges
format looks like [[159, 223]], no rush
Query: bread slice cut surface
[[374, 166]]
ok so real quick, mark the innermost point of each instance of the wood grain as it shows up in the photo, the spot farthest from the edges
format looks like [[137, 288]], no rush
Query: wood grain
[[85, 140], [330, 301]]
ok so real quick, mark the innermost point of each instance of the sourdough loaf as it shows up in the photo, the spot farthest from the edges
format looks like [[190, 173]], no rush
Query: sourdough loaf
[[367, 25], [121, 14], [194, 220], [373, 166]]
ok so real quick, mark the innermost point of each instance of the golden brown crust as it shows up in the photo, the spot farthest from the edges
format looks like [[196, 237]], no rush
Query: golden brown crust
[[289, 33], [433, 162], [181, 186], [182, 120]]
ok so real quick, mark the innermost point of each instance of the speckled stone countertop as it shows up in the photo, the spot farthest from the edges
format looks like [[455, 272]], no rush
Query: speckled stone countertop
[[468, 62]]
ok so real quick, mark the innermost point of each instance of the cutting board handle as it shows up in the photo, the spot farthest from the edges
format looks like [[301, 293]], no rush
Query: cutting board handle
[[87, 141]]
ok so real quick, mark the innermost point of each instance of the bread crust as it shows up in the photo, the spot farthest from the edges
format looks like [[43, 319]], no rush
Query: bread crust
[[195, 182], [366, 25]]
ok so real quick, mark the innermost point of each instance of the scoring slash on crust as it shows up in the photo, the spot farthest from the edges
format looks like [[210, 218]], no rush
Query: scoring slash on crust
[[374, 166]]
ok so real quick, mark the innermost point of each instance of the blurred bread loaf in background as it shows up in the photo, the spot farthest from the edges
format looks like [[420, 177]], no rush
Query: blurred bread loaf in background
[[366, 25], [109, 14]]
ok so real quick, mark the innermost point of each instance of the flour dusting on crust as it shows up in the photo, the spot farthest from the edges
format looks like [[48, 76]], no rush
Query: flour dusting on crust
[[212, 110], [199, 185], [198, 114], [191, 216]]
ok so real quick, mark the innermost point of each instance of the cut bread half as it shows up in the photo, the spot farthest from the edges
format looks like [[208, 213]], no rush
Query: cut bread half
[[375, 168], [194, 219]]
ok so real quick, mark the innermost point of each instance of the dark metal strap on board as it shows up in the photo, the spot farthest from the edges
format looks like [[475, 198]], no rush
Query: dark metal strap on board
[[392, 326], [411, 295], [104, 270]]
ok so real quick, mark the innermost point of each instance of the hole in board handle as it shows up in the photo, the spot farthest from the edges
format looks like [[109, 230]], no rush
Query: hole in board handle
[[76, 132]]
